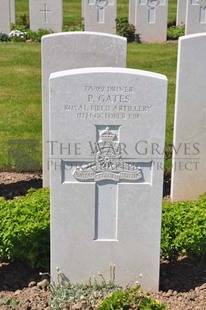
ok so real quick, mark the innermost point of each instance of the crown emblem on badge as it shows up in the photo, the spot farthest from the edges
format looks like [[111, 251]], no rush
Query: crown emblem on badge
[[107, 135]]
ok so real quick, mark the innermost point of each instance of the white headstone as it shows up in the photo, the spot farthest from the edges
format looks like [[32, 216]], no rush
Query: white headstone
[[83, 14], [46, 14], [5, 19], [189, 164], [13, 11], [100, 15], [181, 12], [195, 17], [75, 50], [150, 19], [106, 194]]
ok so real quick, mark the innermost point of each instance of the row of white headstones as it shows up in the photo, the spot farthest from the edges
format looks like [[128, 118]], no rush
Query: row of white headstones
[[103, 146], [148, 16]]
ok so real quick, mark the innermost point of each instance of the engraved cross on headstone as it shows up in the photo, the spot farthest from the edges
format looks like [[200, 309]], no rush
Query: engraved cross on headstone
[[152, 6], [107, 170], [45, 11], [101, 5], [202, 12]]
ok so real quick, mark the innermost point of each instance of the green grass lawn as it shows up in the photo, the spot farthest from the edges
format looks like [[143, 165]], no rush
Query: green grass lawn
[[20, 80], [20, 100]]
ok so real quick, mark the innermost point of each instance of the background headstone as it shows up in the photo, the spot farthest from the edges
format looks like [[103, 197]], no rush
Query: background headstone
[[100, 15], [5, 18], [83, 14], [106, 196], [189, 164], [195, 17], [13, 11], [46, 14], [181, 12], [150, 19], [75, 50]]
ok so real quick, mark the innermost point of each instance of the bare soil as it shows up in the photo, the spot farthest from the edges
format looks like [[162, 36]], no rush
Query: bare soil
[[14, 184], [182, 283]]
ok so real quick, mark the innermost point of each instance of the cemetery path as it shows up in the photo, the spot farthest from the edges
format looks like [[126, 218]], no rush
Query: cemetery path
[[182, 283]]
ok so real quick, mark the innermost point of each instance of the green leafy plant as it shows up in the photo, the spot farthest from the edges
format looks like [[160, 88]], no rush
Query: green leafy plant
[[4, 37], [76, 27], [174, 32], [171, 23], [98, 294], [24, 20], [184, 229], [131, 298], [20, 33], [11, 303], [17, 36], [127, 30], [64, 294], [36, 36], [24, 229], [21, 28]]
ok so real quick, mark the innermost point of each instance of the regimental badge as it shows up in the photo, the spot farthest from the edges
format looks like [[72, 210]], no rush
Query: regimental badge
[[108, 163], [101, 4], [152, 4]]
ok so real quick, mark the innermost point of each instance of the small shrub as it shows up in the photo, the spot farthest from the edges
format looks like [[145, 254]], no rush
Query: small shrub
[[4, 37], [19, 27], [173, 33], [184, 229], [125, 29], [24, 20], [20, 33], [17, 36], [78, 27], [24, 229], [171, 23], [36, 36], [64, 294], [131, 298]]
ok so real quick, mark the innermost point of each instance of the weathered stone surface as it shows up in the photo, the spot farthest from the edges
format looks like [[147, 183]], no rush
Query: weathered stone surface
[[75, 50], [106, 190], [195, 17], [46, 14], [189, 165], [150, 19], [5, 18], [181, 12], [100, 15]]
